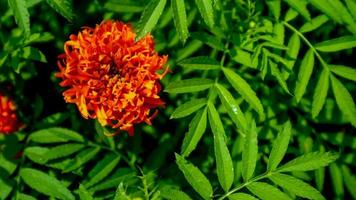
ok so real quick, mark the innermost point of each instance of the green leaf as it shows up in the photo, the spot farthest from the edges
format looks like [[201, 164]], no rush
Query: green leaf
[[344, 15], [274, 45], [54, 135], [242, 57], [320, 178], [21, 14], [320, 93], [45, 184], [102, 169], [337, 182], [256, 56], [241, 196], [8, 166], [121, 193], [292, 53], [32, 53], [339, 138], [82, 158], [208, 39], [6, 186], [3, 58], [290, 15], [52, 120], [266, 191], [280, 146], [63, 7], [310, 161], [189, 85], [195, 177], [249, 153], [300, 6], [275, 7], [264, 65], [180, 19], [351, 5], [278, 31], [188, 108], [101, 131], [206, 10], [60, 164], [200, 63], [165, 20], [22, 196], [276, 73], [171, 193], [314, 23], [349, 180], [190, 48], [337, 44], [196, 130], [122, 175], [36, 154], [305, 71], [296, 186], [62, 151], [244, 89], [39, 38], [232, 107], [224, 166], [325, 7], [344, 71], [149, 17], [31, 3], [84, 194], [15, 61], [344, 100], [277, 58], [124, 6]]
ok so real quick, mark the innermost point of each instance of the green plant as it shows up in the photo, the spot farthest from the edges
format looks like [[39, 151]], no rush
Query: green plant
[[259, 103]]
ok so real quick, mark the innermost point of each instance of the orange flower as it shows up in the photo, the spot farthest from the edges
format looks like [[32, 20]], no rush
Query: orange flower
[[8, 117], [110, 77]]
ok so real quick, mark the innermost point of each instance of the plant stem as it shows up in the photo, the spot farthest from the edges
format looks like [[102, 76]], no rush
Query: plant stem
[[322, 61], [257, 178], [226, 50]]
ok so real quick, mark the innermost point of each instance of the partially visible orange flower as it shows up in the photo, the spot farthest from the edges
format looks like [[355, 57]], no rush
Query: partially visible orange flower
[[9, 122], [110, 77]]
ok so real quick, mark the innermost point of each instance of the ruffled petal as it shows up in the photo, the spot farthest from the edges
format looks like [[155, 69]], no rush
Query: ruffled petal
[[110, 77]]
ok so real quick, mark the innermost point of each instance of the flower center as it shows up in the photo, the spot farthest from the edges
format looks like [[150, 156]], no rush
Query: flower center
[[113, 70]]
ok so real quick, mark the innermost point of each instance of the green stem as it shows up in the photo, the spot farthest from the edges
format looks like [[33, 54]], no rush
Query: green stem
[[226, 50], [239, 187], [212, 91], [322, 61]]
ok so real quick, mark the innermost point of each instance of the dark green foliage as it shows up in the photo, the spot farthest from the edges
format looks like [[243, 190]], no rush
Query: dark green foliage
[[259, 103]]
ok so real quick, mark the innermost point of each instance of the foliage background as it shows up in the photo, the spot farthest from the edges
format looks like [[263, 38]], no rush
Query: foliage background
[[258, 77]]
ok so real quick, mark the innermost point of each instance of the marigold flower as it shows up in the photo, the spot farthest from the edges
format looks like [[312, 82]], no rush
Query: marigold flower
[[9, 122], [110, 77]]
